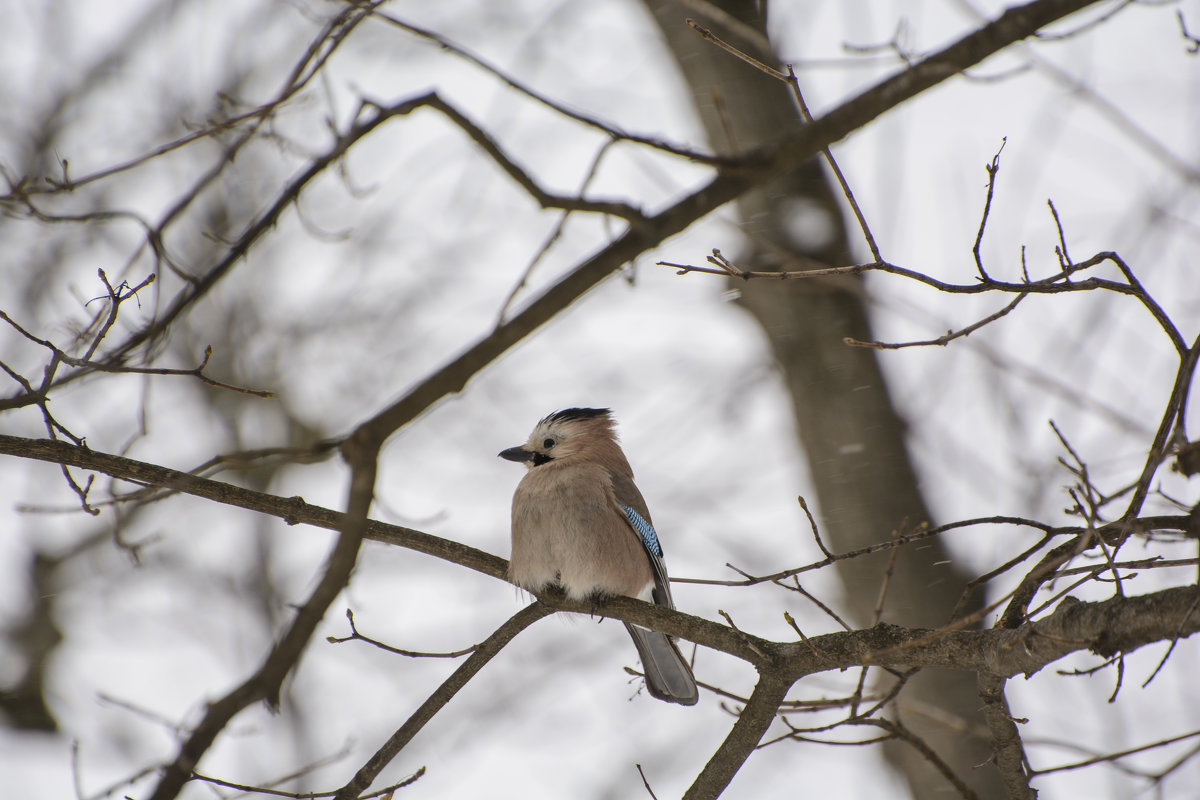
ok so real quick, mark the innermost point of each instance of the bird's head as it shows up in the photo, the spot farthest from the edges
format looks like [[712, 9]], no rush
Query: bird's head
[[566, 433]]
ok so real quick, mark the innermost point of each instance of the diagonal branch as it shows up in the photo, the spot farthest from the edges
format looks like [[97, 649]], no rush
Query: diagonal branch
[[614, 134], [292, 510], [484, 652], [793, 150], [902, 733], [1008, 751], [743, 738], [267, 681], [797, 147]]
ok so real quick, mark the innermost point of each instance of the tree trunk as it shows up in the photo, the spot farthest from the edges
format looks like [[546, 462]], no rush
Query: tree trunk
[[853, 439]]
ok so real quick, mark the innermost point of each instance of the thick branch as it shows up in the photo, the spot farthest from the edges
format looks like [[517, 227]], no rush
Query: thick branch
[[292, 510], [1121, 624], [747, 732], [1007, 749], [1116, 625]]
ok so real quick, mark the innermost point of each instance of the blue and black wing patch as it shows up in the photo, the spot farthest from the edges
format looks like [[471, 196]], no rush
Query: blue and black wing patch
[[645, 530]]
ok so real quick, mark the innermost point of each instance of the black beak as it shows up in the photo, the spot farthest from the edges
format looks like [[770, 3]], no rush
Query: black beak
[[516, 454]]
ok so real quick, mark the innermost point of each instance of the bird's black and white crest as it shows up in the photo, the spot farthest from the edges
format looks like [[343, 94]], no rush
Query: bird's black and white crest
[[569, 414]]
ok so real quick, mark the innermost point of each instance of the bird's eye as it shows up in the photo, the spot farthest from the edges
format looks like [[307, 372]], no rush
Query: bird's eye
[[548, 443]]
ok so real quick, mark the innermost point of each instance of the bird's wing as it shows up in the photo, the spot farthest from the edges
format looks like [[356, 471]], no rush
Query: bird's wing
[[633, 506]]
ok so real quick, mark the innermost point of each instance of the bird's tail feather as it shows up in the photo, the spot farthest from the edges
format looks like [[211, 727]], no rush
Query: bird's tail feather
[[668, 676]]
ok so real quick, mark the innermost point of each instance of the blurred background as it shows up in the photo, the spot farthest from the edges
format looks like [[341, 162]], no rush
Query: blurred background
[[116, 629]]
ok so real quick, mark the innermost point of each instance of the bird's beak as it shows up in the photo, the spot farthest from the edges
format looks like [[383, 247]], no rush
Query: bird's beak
[[516, 454]]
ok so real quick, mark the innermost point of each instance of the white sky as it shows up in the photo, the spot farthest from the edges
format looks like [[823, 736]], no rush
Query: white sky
[[372, 282]]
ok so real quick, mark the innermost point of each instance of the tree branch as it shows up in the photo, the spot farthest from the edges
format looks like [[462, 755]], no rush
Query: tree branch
[[267, 680], [292, 510], [1121, 624], [796, 148], [484, 652], [1008, 751], [747, 732]]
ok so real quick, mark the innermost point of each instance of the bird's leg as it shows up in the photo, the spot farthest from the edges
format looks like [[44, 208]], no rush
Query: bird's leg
[[597, 599], [553, 592]]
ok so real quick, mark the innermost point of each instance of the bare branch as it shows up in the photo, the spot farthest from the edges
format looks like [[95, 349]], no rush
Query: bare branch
[[385, 792], [646, 782], [928, 753], [941, 341], [992, 169], [1008, 751], [794, 85], [751, 724], [885, 646], [292, 510], [1193, 42], [1119, 754], [1173, 410], [85, 362], [614, 133], [356, 636], [1015, 24], [483, 653], [266, 682]]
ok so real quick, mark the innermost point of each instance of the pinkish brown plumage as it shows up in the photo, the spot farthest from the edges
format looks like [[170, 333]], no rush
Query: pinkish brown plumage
[[579, 522]]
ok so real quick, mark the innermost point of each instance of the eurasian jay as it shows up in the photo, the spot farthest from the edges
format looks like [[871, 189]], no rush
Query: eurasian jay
[[579, 522]]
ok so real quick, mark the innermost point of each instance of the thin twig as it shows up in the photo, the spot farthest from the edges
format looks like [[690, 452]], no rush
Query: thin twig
[[384, 792], [646, 782], [992, 169], [1193, 42], [1174, 641], [554, 236], [794, 85], [883, 586], [827, 152], [559, 108], [940, 341], [921, 746], [796, 587], [356, 636], [812, 524], [1119, 754]]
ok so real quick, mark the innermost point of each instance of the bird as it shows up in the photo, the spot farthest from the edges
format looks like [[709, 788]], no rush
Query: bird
[[580, 523]]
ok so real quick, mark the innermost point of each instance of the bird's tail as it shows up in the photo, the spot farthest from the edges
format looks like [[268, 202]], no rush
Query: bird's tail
[[668, 676]]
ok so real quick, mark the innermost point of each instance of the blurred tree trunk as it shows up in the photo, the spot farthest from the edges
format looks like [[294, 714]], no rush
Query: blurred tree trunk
[[853, 439]]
